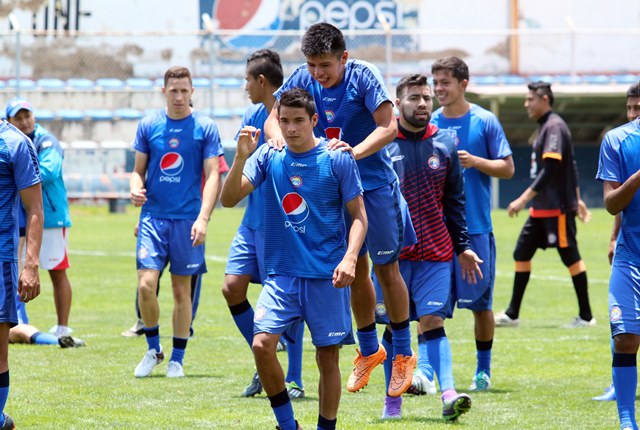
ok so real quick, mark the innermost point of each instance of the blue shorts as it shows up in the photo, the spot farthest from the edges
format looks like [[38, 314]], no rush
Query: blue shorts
[[624, 299], [162, 241], [286, 301], [246, 254], [478, 297], [429, 285], [8, 291], [390, 227]]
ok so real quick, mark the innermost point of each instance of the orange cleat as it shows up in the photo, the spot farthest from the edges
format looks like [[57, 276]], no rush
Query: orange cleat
[[402, 374], [363, 366]]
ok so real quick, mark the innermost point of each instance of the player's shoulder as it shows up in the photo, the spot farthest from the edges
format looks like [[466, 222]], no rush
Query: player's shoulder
[[482, 114], [254, 114], [153, 117], [202, 119], [364, 70], [624, 131], [435, 115]]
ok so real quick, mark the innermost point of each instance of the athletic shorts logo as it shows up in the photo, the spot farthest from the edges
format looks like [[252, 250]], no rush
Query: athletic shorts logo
[[174, 143], [143, 253], [260, 313], [171, 164], [295, 207], [296, 181], [434, 162], [248, 17], [381, 309], [615, 314]]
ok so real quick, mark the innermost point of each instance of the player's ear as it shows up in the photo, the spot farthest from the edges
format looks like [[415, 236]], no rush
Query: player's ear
[[344, 57], [314, 119]]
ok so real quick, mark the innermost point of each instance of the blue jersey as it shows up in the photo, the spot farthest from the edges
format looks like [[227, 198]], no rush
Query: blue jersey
[[345, 112], [305, 232], [619, 159], [18, 170], [480, 134], [176, 150], [253, 218]]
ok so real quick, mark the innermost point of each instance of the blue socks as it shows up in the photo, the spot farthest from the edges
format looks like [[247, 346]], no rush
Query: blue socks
[[439, 352], [423, 359], [153, 337], [40, 338], [326, 424], [283, 410], [294, 352], [368, 339], [242, 314], [4, 393], [179, 345], [483, 353], [625, 380], [401, 338], [387, 340]]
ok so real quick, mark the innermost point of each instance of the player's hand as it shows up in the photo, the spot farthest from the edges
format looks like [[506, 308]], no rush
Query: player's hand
[[247, 141], [138, 197], [277, 143], [335, 144], [515, 206], [29, 283], [198, 232], [466, 159], [584, 214], [612, 248], [344, 273], [469, 266]]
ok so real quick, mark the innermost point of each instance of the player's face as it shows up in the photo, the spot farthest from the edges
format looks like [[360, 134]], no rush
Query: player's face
[[178, 92], [24, 121], [633, 108], [327, 69], [297, 128], [253, 87], [447, 88], [535, 105], [415, 107]]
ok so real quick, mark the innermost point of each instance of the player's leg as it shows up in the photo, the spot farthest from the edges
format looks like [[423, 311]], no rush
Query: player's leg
[[5, 420], [295, 387], [53, 257], [329, 386], [62, 297], [182, 312], [196, 288], [8, 317]]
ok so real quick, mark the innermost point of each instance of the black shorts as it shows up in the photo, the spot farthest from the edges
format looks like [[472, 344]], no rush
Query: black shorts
[[553, 232]]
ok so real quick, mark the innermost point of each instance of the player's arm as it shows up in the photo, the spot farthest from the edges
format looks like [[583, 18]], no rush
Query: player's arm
[[345, 272], [237, 186], [617, 196], [210, 168], [29, 280], [502, 168], [617, 220], [137, 190], [386, 130], [549, 169]]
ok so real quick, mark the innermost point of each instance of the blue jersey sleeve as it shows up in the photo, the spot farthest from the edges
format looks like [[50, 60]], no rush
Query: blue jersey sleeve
[[212, 146], [346, 170], [371, 86], [255, 168], [24, 163], [609, 160], [498, 146], [141, 143], [300, 78]]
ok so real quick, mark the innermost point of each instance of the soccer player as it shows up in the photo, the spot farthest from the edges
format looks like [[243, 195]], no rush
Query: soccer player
[[174, 147], [310, 256], [427, 164], [245, 264], [484, 153], [354, 107], [619, 169], [57, 221], [633, 112], [555, 202], [19, 175]]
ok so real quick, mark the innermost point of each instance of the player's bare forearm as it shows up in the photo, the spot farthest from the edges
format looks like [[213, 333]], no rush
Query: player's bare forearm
[[618, 196], [501, 168], [518, 204], [236, 186], [271, 126], [29, 279]]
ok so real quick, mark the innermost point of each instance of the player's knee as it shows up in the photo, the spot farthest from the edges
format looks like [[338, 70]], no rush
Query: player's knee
[[388, 274], [234, 290], [146, 290], [431, 322], [262, 346], [626, 343], [327, 358]]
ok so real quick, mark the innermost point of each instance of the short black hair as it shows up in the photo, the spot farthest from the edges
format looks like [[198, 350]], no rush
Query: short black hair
[[414, 80], [267, 63], [542, 88], [177, 72], [634, 90], [321, 39], [298, 98], [455, 65]]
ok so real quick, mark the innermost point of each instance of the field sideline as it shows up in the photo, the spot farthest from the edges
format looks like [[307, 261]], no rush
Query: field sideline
[[543, 375]]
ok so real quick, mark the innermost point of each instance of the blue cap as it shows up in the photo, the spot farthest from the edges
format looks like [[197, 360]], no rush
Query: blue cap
[[16, 105]]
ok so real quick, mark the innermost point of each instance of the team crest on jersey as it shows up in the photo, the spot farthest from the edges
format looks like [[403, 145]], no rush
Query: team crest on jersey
[[174, 143], [330, 115], [434, 162], [260, 313], [296, 181], [143, 253], [615, 314], [381, 309]]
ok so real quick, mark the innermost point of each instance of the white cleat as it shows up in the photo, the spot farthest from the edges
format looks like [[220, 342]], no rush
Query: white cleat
[[175, 370], [150, 360], [504, 320]]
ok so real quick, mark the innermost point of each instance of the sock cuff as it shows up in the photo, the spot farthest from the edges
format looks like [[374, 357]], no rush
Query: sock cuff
[[387, 336], [400, 325], [180, 342], [484, 345], [434, 334], [4, 379], [32, 339], [624, 360], [240, 308], [152, 331], [282, 398], [325, 423], [370, 327]]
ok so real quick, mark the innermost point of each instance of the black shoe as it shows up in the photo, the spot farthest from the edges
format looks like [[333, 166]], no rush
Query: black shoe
[[8, 422], [70, 342], [255, 387]]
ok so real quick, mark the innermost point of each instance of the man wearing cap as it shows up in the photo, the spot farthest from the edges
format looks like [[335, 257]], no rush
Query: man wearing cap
[[53, 253]]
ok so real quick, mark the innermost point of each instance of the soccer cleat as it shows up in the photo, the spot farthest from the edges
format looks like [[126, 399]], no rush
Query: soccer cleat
[[504, 320], [362, 368], [609, 395], [175, 370], [481, 382], [297, 427], [70, 342], [8, 422], [421, 384], [255, 387], [61, 330], [150, 360], [281, 346], [294, 391], [402, 374], [392, 408], [455, 406], [578, 322], [136, 330]]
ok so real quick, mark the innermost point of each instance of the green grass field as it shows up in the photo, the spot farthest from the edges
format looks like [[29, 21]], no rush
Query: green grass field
[[543, 375]]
